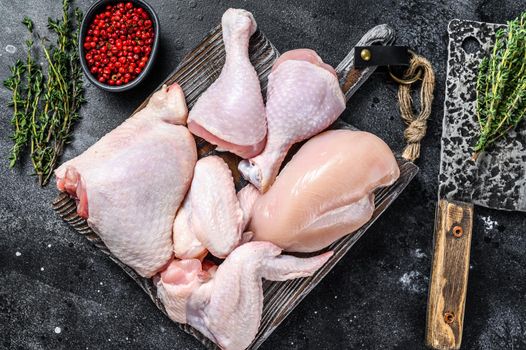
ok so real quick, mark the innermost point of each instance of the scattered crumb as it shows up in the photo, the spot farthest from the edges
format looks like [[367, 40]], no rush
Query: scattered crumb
[[18, 253], [10, 49], [418, 253], [58, 330], [413, 281], [489, 223]]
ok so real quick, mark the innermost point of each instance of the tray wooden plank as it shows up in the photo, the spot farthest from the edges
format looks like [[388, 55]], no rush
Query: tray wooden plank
[[196, 72]]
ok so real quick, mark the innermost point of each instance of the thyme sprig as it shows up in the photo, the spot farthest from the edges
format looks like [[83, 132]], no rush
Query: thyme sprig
[[46, 103], [501, 85]]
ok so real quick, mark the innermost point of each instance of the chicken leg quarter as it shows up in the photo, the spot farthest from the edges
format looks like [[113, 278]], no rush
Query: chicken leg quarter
[[231, 113], [130, 183]]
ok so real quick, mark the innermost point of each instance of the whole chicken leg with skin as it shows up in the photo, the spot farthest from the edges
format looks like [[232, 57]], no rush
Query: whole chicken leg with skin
[[231, 113], [325, 192], [303, 99], [227, 309], [130, 183]]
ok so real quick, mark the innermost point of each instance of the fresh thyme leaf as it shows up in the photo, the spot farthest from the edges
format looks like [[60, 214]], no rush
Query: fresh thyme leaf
[[501, 85], [28, 23], [46, 104]]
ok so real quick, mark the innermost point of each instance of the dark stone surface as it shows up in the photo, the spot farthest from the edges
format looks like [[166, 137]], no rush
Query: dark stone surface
[[374, 299]]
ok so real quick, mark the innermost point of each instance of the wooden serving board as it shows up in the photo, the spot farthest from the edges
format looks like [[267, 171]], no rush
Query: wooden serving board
[[197, 71]]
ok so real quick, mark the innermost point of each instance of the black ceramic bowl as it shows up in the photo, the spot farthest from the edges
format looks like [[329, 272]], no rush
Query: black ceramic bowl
[[90, 14]]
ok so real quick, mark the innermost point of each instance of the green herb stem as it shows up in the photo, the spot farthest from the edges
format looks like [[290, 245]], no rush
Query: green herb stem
[[501, 85], [45, 106]]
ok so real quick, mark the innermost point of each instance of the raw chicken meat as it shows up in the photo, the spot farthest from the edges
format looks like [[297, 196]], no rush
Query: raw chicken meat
[[177, 283], [231, 113], [247, 197], [186, 245], [228, 308], [324, 192], [130, 183], [303, 98], [213, 214]]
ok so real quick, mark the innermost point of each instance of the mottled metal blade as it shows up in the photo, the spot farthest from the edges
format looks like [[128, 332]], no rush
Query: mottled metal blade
[[498, 180]]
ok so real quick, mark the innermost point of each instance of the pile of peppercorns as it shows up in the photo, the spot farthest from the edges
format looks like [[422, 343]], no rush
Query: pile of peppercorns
[[118, 43]]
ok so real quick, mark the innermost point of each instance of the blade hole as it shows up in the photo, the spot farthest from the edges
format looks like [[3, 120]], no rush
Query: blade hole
[[471, 45]]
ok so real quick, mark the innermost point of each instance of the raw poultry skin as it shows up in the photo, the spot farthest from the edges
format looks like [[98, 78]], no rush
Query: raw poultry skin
[[213, 214], [247, 197], [176, 284], [325, 191], [130, 183], [231, 113], [303, 99], [186, 244], [227, 309]]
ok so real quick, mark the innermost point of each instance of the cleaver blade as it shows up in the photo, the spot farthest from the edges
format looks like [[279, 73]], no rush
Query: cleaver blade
[[497, 180]]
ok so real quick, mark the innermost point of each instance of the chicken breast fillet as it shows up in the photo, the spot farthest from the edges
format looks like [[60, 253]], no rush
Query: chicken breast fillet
[[324, 192]]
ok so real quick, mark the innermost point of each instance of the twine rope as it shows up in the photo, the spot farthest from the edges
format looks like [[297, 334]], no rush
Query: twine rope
[[416, 125]]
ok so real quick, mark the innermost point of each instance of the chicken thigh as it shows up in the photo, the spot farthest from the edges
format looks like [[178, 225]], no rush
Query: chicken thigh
[[130, 183], [303, 99], [324, 192], [231, 113], [213, 214], [228, 308]]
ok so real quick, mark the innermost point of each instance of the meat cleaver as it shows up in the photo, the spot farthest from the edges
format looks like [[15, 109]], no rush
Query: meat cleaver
[[496, 180]]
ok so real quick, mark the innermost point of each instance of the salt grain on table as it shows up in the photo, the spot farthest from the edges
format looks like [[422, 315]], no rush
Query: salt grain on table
[[10, 49]]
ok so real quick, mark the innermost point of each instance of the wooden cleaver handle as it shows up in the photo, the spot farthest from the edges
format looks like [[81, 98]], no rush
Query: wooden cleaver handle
[[449, 274]]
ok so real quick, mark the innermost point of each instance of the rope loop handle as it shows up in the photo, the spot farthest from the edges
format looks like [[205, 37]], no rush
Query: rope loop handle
[[416, 125]]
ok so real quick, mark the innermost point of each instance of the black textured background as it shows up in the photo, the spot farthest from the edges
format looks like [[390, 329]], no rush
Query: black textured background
[[374, 299]]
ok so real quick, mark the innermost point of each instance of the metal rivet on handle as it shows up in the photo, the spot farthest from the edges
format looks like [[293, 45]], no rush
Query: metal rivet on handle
[[365, 54], [449, 317], [458, 231]]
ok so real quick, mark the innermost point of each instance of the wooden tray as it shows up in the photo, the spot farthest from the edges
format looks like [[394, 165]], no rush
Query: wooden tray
[[196, 72]]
